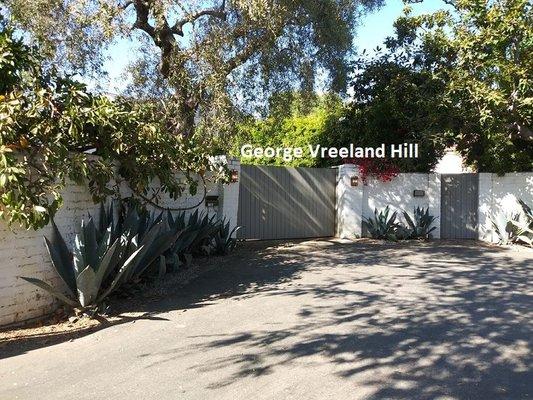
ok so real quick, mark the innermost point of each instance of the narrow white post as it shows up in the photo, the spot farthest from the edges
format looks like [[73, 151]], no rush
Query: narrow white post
[[434, 200], [349, 202], [485, 207], [229, 195]]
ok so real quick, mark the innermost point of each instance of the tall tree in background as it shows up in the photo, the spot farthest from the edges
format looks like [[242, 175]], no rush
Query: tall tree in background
[[397, 98], [489, 77], [201, 53], [461, 77]]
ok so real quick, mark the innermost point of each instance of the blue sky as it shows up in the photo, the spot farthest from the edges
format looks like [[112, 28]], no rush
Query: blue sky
[[374, 28]]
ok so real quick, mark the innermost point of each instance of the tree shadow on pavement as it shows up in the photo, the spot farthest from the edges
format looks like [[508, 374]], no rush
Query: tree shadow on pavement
[[252, 267], [405, 321]]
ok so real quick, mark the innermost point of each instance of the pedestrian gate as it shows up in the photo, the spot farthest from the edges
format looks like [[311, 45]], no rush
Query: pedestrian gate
[[459, 206]]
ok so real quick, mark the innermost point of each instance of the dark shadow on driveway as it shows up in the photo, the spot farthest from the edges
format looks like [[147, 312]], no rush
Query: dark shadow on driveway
[[454, 319], [253, 267], [410, 321]]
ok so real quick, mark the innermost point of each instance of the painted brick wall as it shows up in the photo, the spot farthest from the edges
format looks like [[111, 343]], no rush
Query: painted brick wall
[[22, 252]]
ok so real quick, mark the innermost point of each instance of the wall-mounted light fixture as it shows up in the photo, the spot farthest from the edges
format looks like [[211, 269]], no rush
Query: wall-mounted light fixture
[[419, 193], [354, 180], [234, 177]]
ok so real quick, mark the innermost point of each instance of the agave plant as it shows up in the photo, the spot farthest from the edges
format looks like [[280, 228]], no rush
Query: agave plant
[[224, 240], [87, 267], [196, 236], [151, 232], [179, 252], [514, 228], [419, 227], [205, 229], [383, 225]]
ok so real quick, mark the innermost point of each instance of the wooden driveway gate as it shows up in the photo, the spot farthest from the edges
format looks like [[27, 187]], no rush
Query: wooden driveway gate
[[286, 202]]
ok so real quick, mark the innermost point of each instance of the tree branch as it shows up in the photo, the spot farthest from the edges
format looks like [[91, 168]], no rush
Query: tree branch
[[142, 12], [219, 12], [253, 45]]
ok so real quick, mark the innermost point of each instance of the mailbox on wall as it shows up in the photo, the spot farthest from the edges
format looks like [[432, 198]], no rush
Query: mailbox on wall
[[211, 201]]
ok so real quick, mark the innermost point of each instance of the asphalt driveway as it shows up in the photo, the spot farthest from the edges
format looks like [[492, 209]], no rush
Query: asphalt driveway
[[311, 320]]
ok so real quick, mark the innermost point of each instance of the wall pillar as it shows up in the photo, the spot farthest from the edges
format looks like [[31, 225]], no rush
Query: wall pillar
[[434, 200], [349, 207], [229, 195], [485, 207]]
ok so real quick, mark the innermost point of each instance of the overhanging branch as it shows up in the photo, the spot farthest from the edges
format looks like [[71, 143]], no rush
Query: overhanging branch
[[219, 12]]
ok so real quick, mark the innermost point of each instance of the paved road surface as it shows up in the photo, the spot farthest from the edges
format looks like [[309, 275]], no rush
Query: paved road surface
[[311, 320]]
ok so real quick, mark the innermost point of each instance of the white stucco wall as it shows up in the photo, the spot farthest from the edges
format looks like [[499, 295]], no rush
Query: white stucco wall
[[22, 252], [356, 203], [496, 194], [349, 204], [500, 194], [397, 193]]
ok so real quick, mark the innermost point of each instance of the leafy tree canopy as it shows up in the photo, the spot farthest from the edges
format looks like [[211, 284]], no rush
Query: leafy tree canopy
[[295, 120], [483, 52], [461, 77], [47, 123], [205, 55]]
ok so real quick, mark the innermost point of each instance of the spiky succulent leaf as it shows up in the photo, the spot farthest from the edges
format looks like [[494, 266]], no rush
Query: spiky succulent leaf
[[56, 293], [78, 252], [129, 263], [61, 258]]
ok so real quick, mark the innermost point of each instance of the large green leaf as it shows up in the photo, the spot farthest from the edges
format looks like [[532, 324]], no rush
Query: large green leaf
[[51, 290], [87, 289], [105, 242], [78, 252], [90, 244], [107, 264], [61, 258], [160, 244], [125, 267], [65, 271]]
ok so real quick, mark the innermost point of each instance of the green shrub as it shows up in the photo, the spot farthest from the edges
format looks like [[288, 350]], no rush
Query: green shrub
[[224, 240], [383, 225], [91, 263], [514, 228], [419, 227], [121, 251], [48, 123]]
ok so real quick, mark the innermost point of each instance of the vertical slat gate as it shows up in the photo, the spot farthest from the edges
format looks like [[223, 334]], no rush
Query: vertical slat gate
[[459, 202], [286, 202]]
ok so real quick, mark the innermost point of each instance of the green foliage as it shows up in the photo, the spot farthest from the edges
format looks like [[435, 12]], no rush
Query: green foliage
[[515, 228], [395, 101], [419, 227], [237, 49], [460, 77], [483, 52], [47, 123], [224, 240], [293, 122], [121, 252], [383, 225]]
